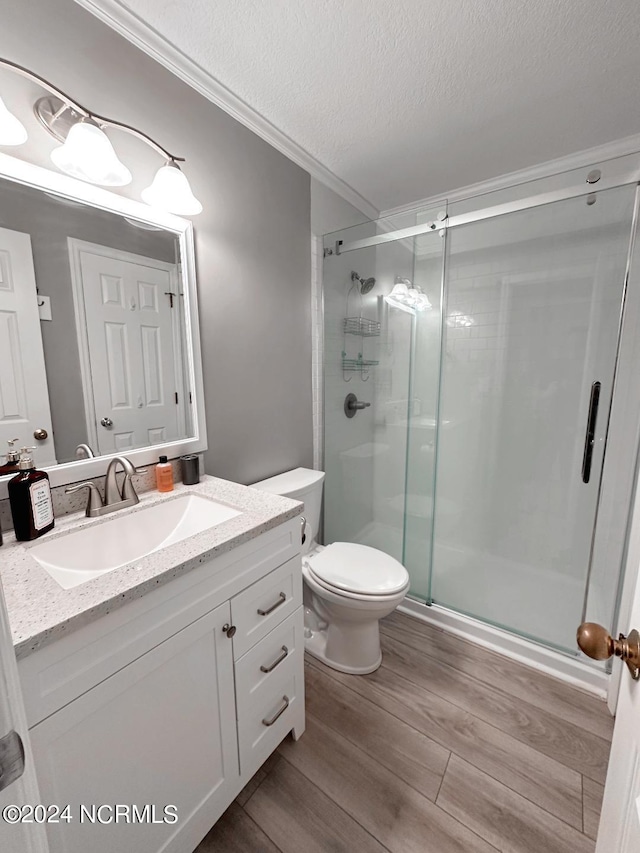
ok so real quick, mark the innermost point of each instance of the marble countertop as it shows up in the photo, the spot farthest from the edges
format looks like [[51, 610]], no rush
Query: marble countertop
[[41, 611]]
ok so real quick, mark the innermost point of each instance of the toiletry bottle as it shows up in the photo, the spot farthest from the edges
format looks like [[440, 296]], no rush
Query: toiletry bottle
[[11, 465], [164, 475], [30, 499]]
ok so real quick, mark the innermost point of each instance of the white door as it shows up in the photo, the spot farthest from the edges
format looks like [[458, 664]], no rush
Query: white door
[[128, 339], [23, 791], [24, 396], [620, 821]]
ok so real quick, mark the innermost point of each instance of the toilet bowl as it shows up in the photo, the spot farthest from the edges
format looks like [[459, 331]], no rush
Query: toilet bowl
[[348, 587]]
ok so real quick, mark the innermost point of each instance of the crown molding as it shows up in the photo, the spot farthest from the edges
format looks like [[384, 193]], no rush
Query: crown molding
[[577, 160], [150, 41]]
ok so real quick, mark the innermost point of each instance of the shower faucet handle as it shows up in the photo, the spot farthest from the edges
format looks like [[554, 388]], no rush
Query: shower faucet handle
[[597, 643], [353, 405]]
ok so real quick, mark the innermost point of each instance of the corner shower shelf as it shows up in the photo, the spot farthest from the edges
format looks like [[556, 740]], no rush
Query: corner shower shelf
[[361, 326], [358, 363]]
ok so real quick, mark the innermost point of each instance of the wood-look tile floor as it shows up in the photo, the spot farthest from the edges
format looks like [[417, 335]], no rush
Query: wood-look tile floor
[[447, 748]]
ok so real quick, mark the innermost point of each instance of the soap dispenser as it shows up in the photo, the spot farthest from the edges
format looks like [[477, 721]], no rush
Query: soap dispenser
[[30, 499], [13, 456]]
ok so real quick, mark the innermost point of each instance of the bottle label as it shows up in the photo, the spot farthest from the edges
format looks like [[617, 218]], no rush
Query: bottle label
[[41, 504]]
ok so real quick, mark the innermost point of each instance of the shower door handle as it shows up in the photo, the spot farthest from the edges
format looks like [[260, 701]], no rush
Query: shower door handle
[[589, 439]]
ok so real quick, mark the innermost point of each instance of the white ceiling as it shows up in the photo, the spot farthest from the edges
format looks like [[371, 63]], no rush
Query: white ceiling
[[404, 99]]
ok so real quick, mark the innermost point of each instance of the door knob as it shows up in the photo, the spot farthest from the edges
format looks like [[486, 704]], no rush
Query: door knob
[[596, 642], [106, 422], [40, 434]]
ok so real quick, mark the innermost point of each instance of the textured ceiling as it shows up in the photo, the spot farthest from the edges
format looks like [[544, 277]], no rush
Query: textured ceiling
[[404, 99]]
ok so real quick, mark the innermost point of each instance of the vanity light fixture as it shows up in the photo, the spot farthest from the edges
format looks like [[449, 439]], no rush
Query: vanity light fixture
[[88, 154], [407, 296], [12, 131], [86, 151], [170, 183]]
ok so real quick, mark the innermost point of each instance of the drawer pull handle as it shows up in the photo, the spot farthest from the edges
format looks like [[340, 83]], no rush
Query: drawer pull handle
[[278, 713], [278, 660], [281, 600]]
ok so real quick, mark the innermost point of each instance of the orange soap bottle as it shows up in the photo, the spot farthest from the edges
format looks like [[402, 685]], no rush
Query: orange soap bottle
[[164, 475]]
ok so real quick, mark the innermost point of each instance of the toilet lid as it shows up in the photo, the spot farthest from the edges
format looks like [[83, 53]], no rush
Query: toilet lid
[[359, 569]]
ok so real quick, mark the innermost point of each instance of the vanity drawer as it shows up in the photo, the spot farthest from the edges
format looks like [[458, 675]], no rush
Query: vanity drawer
[[280, 709], [269, 661], [258, 609]]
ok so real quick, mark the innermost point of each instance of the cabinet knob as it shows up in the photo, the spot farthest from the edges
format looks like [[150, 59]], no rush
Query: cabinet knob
[[229, 630]]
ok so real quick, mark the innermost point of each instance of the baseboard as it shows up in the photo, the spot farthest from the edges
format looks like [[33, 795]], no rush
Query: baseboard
[[545, 660]]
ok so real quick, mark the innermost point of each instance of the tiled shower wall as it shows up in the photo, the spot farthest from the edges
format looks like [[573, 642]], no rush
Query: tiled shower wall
[[317, 350]]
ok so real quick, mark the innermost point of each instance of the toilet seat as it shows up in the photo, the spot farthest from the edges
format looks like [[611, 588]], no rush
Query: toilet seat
[[357, 571]]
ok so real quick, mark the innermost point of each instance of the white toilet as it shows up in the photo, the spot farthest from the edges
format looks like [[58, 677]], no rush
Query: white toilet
[[348, 588]]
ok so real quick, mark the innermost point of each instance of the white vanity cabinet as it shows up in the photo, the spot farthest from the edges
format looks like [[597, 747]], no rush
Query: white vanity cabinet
[[162, 703]]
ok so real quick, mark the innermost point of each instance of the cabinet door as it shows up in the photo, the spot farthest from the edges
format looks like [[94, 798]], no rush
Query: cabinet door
[[160, 732]]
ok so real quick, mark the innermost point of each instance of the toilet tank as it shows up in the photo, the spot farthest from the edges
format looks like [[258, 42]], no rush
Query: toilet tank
[[300, 484]]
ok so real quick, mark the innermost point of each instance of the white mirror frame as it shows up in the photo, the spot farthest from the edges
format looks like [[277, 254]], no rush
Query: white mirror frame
[[37, 177]]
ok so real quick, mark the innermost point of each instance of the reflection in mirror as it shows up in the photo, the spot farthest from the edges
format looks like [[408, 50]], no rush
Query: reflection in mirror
[[93, 356]]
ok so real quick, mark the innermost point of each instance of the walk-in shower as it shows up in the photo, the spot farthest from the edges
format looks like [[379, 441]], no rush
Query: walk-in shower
[[496, 461]]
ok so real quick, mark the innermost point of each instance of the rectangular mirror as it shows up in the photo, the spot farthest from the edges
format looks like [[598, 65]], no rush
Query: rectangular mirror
[[99, 353]]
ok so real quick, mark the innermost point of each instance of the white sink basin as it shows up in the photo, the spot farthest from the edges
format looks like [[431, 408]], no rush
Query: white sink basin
[[125, 537]]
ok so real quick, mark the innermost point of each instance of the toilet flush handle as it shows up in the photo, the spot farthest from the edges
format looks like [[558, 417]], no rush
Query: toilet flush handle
[[303, 522]]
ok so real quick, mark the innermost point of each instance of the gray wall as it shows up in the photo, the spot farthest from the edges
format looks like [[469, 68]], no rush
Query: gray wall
[[330, 212], [49, 222], [252, 239]]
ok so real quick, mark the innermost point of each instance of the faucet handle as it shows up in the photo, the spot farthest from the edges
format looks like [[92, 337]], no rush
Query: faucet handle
[[128, 490], [95, 500]]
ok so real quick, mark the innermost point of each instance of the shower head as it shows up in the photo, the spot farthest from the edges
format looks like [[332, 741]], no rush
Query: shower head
[[365, 284]]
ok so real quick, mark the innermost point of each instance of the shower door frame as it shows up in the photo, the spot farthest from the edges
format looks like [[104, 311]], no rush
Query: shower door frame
[[545, 658]]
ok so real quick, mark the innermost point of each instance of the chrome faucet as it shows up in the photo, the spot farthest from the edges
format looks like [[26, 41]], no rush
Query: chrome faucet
[[114, 499], [84, 451], [112, 495]]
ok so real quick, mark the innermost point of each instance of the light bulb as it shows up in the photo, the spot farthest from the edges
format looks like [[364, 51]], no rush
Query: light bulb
[[12, 131], [88, 154], [170, 191], [408, 297]]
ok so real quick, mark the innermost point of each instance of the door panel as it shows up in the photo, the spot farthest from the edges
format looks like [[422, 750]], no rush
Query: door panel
[[533, 302], [19, 837], [131, 316], [162, 731], [620, 820], [24, 396]]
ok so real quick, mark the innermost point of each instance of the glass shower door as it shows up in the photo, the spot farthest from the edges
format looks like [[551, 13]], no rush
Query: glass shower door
[[532, 312], [372, 496]]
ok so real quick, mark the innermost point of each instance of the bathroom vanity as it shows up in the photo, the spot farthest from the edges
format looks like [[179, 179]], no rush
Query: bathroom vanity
[[163, 684]]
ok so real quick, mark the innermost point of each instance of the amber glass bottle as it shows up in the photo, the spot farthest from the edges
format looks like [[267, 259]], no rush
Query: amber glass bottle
[[30, 500]]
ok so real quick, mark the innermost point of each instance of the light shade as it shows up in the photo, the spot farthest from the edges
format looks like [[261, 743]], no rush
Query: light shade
[[457, 318], [408, 297], [170, 191], [12, 131], [88, 154]]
